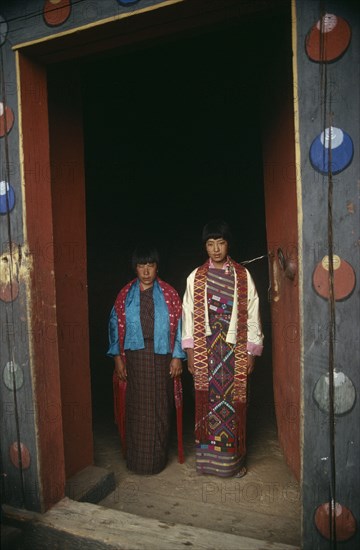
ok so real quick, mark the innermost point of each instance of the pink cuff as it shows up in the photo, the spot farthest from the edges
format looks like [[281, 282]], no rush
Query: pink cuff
[[254, 349], [187, 343]]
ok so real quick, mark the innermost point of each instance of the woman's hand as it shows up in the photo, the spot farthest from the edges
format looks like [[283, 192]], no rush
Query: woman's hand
[[120, 369], [190, 360], [175, 367], [250, 363], [191, 369]]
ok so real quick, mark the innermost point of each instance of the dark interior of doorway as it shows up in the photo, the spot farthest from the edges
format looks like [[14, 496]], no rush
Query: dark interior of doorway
[[173, 139]]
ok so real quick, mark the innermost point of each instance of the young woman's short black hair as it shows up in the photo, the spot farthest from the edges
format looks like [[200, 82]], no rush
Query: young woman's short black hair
[[217, 229], [144, 254]]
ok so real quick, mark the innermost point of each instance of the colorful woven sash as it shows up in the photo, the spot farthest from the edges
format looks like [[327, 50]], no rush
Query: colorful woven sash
[[201, 363], [200, 351]]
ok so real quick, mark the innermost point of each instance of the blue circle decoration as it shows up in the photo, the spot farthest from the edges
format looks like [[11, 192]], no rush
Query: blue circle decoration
[[7, 197], [332, 146], [127, 2]]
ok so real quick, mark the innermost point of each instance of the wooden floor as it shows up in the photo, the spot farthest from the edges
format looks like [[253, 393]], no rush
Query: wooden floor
[[177, 507], [265, 504]]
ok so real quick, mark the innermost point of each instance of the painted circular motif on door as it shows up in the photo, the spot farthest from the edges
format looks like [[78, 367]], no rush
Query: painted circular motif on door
[[9, 291], [344, 278], [127, 2], [56, 12], [3, 30], [13, 376], [344, 393], [345, 523], [20, 455], [6, 119], [331, 151], [328, 39], [7, 197]]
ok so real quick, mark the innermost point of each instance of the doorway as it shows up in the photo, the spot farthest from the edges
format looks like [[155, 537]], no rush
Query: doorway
[[173, 137]]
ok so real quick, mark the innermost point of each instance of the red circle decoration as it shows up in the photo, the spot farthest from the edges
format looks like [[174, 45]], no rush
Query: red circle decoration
[[344, 278], [56, 12], [9, 291], [345, 523], [23, 455], [6, 119], [328, 39]]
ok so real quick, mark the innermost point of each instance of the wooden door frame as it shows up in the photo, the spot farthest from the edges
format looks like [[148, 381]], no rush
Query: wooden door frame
[[40, 232]]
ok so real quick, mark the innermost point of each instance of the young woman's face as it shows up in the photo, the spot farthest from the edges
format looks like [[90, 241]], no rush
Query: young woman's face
[[217, 250], [146, 273]]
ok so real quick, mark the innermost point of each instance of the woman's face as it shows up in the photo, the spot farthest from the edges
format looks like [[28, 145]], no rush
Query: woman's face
[[146, 274], [217, 250]]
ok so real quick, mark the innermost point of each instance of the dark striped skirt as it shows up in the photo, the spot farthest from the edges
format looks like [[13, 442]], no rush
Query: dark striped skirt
[[149, 410]]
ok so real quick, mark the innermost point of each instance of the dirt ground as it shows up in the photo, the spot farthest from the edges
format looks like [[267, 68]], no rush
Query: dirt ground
[[265, 504]]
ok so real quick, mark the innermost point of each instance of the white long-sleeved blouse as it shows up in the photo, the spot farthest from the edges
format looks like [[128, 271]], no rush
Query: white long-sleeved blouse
[[255, 335]]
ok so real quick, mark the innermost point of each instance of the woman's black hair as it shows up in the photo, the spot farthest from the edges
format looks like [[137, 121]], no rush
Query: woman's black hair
[[217, 229], [144, 254]]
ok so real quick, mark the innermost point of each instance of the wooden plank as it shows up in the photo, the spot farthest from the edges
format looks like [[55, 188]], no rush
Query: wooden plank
[[75, 525], [91, 484], [242, 519]]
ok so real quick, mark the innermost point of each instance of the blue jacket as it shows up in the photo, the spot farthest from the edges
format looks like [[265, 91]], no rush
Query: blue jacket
[[134, 339]]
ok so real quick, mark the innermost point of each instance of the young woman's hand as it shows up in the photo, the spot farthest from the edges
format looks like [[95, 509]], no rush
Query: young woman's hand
[[175, 367], [190, 360], [120, 369], [250, 363]]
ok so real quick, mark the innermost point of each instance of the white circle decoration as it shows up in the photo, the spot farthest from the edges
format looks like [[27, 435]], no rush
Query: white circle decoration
[[3, 30], [344, 393], [13, 376]]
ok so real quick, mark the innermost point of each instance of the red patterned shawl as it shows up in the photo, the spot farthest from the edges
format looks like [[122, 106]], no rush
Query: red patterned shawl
[[173, 303]]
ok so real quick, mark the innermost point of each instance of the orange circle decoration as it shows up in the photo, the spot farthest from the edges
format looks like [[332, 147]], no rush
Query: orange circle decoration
[[344, 278], [345, 523], [328, 39], [56, 12], [6, 119], [20, 456]]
